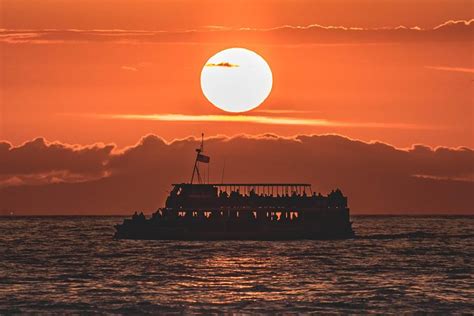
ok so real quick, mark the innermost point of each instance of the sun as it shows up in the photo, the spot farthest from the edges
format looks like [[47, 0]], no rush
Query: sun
[[236, 80]]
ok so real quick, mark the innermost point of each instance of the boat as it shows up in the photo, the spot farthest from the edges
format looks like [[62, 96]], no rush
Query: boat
[[241, 211]]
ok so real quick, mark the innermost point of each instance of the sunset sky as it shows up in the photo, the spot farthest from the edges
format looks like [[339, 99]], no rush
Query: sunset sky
[[396, 72]]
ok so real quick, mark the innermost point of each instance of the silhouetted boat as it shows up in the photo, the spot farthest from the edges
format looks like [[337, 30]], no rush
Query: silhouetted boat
[[242, 211]]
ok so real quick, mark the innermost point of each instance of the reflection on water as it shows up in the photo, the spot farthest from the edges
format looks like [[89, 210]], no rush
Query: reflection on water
[[71, 264]]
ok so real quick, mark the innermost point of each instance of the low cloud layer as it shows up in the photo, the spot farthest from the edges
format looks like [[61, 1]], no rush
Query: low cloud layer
[[450, 31], [39, 177]]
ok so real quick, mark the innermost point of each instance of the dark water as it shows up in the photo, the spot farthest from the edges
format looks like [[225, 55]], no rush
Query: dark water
[[398, 264]]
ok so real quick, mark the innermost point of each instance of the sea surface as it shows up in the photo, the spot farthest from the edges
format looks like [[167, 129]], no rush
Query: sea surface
[[397, 264]]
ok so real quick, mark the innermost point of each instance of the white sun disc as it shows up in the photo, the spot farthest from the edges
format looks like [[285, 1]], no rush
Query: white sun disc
[[236, 80]]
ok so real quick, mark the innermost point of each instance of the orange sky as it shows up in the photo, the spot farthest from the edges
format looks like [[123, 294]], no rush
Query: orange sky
[[398, 86], [85, 72], [187, 14]]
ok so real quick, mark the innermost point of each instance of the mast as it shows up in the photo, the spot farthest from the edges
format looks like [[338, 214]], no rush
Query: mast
[[199, 158]]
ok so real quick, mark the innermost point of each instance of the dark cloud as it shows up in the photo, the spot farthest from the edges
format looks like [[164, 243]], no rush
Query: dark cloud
[[451, 31], [39, 157], [223, 64], [378, 178]]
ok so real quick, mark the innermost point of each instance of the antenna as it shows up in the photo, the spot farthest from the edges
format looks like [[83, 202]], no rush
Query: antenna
[[223, 169], [208, 164], [202, 141]]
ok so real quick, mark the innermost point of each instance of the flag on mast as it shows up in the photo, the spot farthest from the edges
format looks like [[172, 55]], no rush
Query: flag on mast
[[203, 158]]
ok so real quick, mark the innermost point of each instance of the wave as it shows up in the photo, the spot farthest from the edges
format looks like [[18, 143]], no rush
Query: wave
[[415, 235]]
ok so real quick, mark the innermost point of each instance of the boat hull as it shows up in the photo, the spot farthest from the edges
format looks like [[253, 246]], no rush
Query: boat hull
[[192, 230]]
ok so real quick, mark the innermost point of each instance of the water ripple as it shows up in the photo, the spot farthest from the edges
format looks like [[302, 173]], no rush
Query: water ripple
[[395, 265]]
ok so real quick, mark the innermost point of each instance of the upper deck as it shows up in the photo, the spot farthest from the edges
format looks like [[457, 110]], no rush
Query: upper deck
[[246, 188], [250, 195]]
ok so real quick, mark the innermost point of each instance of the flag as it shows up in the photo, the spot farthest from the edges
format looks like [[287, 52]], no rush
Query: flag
[[203, 158]]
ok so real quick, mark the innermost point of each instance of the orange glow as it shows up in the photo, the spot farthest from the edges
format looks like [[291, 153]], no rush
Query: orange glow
[[269, 120], [350, 81], [94, 72]]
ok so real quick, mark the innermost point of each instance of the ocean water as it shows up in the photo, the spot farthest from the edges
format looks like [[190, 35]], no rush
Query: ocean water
[[397, 264]]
